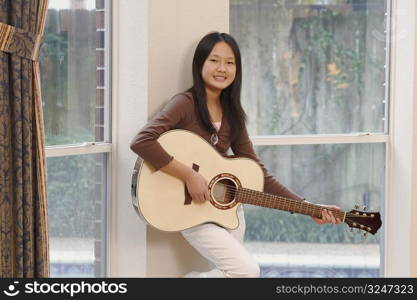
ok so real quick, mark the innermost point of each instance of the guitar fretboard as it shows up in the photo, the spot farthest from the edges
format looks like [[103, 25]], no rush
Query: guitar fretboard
[[281, 203]]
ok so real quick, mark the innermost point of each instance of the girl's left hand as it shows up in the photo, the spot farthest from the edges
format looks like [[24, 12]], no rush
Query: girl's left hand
[[327, 216]]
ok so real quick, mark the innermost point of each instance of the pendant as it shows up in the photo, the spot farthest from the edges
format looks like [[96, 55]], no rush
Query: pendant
[[214, 139]]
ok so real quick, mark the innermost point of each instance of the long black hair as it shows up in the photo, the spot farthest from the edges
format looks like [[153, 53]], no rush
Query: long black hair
[[229, 97]]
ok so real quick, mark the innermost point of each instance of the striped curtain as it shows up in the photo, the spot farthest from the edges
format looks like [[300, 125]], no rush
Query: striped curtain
[[23, 196]]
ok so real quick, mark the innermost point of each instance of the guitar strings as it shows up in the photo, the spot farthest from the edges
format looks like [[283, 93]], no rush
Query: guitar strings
[[313, 208], [231, 191]]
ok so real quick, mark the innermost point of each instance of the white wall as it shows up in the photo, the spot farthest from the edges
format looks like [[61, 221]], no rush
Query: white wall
[[127, 249], [175, 27], [153, 46]]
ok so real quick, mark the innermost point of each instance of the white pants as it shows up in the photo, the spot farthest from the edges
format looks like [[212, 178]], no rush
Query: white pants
[[223, 248]]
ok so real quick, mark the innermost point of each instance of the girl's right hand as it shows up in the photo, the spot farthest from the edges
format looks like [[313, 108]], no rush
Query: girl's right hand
[[197, 187]]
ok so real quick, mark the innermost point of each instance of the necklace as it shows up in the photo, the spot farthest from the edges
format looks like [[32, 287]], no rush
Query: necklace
[[214, 139]]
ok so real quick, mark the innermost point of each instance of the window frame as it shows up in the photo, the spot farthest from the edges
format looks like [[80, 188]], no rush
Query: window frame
[[400, 235], [355, 138], [400, 134], [89, 147]]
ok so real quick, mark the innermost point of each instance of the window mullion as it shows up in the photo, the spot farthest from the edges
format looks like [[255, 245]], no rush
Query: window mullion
[[77, 149], [356, 138]]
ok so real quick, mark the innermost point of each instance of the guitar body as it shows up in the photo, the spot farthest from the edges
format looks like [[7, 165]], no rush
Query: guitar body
[[163, 200]]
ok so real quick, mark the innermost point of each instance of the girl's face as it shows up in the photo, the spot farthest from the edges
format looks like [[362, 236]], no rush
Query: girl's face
[[219, 69]]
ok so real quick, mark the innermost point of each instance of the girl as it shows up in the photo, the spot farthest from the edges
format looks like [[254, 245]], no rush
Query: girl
[[211, 108]]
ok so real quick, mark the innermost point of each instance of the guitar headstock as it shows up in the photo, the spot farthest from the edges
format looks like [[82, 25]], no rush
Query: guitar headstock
[[364, 220]]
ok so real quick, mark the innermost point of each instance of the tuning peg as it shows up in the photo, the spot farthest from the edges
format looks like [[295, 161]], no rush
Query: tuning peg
[[364, 208], [365, 235], [356, 206]]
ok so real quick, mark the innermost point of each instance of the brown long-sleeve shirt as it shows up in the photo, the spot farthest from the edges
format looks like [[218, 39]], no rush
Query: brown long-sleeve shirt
[[179, 113]]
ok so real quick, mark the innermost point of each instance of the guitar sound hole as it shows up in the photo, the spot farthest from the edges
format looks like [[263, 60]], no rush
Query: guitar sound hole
[[224, 191]]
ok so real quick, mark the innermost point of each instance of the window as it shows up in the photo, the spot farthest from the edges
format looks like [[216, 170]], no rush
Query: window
[[315, 79], [75, 70]]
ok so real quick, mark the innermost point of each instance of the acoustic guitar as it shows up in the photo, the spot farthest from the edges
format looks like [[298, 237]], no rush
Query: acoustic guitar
[[163, 201]]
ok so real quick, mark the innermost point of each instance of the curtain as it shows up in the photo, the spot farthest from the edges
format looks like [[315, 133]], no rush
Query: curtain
[[23, 196]]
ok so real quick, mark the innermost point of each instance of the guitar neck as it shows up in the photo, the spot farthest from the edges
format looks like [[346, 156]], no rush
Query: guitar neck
[[281, 203]]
